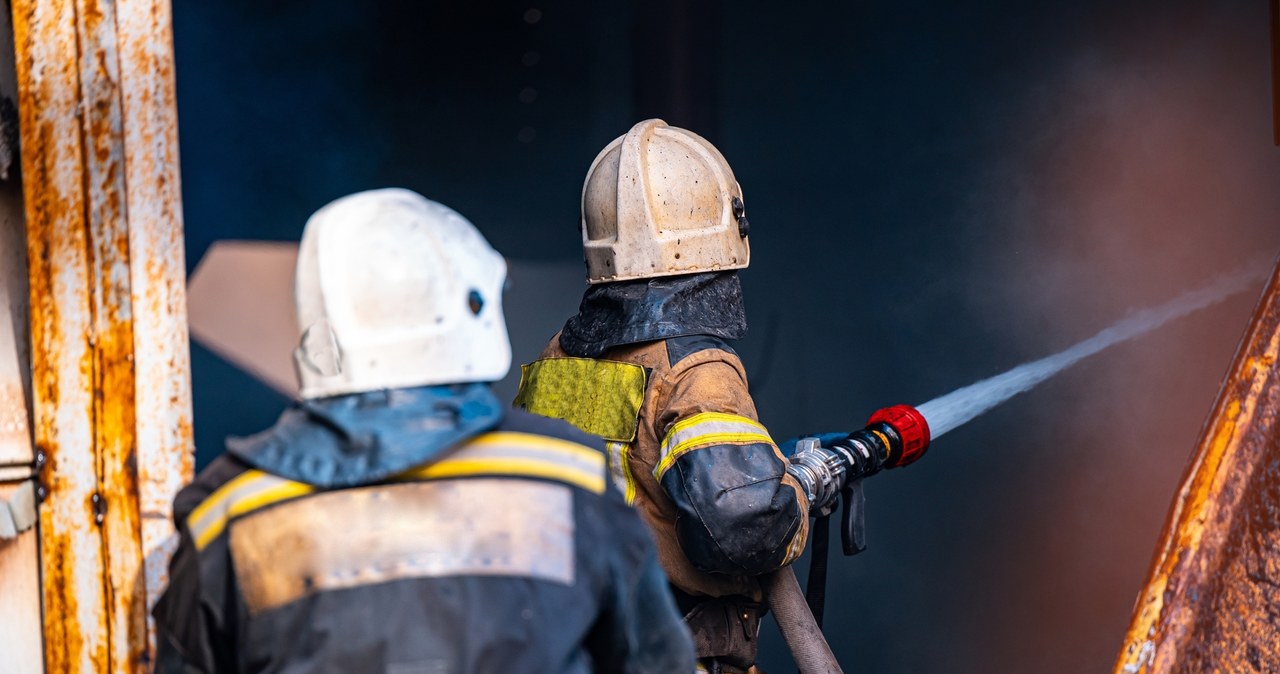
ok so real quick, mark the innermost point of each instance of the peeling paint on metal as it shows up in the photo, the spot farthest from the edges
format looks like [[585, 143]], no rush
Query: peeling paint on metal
[[53, 175], [115, 503], [165, 447], [99, 152], [1212, 600]]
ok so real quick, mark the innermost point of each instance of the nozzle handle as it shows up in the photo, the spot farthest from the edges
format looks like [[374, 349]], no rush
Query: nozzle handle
[[853, 520]]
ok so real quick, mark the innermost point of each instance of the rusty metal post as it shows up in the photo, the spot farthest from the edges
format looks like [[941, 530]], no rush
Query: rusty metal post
[[162, 360], [110, 373], [1212, 599]]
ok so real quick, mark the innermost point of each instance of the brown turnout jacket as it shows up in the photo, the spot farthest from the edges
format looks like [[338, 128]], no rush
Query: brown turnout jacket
[[696, 462]]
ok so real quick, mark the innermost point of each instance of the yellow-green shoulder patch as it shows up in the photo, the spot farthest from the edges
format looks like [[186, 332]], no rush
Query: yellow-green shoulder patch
[[600, 397]]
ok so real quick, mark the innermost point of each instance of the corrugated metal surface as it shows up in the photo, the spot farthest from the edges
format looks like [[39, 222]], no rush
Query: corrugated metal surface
[[1212, 601], [104, 247]]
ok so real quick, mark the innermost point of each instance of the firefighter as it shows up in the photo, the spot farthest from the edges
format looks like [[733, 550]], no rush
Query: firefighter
[[398, 519], [646, 364]]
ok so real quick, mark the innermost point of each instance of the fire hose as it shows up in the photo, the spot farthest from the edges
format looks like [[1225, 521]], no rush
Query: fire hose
[[802, 634], [894, 436]]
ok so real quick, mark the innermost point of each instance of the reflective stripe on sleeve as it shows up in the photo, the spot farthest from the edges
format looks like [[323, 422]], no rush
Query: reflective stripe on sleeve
[[705, 429], [620, 468]]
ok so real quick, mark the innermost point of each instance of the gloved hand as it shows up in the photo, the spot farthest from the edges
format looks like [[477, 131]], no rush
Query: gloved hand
[[788, 446]]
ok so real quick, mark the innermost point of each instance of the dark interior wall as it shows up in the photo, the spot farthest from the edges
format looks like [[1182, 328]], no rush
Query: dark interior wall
[[938, 192]]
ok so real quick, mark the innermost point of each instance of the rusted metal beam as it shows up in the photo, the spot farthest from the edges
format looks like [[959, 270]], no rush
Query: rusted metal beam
[[110, 368], [162, 361], [75, 614], [1212, 599]]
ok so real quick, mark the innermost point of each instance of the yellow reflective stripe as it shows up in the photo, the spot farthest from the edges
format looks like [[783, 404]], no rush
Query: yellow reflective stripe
[[501, 453], [206, 509], [705, 441], [521, 454], [515, 467], [704, 417], [249, 491], [707, 428], [620, 467]]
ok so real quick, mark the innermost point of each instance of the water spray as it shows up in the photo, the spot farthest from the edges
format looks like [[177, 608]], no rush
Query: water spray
[[897, 436]]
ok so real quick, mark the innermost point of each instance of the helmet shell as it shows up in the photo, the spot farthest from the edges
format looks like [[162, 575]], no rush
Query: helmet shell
[[394, 290]]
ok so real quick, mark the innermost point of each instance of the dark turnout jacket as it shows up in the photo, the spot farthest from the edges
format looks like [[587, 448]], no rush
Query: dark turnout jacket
[[502, 552]]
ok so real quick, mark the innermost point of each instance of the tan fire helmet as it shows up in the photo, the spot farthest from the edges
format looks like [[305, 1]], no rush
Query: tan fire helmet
[[661, 201], [394, 290]]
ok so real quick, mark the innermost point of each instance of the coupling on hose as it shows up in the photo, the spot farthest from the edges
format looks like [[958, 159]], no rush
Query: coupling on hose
[[894, 436]]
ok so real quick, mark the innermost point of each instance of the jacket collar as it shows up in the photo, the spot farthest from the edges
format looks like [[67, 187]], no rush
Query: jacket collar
[[361, 438]]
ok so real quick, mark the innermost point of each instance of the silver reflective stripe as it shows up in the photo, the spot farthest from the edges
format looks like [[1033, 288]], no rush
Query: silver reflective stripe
[[708, 428], [620, 468], [616, 467], [350, 538]]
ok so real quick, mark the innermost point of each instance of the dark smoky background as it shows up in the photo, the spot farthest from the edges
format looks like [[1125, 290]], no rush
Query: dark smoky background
[[938, 192]]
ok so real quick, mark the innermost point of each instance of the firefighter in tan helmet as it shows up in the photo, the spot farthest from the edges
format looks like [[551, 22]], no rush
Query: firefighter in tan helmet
[[645, 363]]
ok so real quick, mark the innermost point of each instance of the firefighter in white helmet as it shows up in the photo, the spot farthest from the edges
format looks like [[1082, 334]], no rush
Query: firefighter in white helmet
[[398, 518], [646, 364]]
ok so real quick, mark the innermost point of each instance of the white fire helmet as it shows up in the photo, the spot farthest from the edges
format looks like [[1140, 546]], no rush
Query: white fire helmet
[[661, 201], [394, 290]]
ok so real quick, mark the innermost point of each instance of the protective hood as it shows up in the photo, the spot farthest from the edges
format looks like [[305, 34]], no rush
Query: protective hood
[[356, 439], [629, 312]]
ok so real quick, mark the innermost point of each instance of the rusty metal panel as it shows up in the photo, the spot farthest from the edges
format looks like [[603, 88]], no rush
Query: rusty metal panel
[[115, 502], [1212, 600], [53, 171], [104, 248], [165, 448]]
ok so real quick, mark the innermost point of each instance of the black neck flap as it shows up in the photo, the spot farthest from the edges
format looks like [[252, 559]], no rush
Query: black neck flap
[[630, 312]]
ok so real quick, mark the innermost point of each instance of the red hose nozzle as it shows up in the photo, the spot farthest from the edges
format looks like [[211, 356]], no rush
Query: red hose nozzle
[[912, 429]]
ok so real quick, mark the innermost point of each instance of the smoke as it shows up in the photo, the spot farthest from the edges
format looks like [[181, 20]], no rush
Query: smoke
[[1141, 164], [962, 405]]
